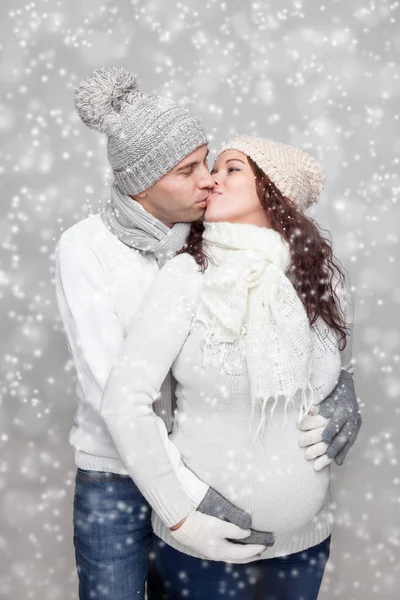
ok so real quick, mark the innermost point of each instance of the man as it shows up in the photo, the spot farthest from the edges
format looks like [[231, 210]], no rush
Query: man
[[105, 265]]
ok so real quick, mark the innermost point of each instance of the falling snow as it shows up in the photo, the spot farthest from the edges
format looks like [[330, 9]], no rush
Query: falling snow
[[325, 77]]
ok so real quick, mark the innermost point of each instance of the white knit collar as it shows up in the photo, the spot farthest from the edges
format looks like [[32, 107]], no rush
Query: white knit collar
[[244, 236]]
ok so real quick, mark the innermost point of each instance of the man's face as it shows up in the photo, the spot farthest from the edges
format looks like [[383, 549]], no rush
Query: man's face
[[180, 196]]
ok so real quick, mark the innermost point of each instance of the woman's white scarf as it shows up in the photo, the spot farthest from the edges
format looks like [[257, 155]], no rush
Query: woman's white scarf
[[248, 298]]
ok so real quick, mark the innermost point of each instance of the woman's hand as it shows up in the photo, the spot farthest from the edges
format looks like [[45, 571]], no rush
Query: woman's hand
[[215, 505], [209, 537]]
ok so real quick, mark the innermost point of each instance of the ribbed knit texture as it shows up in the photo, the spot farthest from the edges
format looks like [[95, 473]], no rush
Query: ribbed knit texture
[[311, 535], [147, 135], [137, 228], [296, 174]]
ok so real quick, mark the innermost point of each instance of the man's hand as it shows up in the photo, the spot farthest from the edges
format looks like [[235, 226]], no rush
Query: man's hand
[[333, 426], [314, 424]]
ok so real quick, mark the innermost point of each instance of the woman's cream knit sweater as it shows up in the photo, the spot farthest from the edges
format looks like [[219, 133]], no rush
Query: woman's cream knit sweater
[[270, 478]]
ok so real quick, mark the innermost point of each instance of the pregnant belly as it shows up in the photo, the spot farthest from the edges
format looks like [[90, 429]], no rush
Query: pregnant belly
[[272, 480], [283, 498]]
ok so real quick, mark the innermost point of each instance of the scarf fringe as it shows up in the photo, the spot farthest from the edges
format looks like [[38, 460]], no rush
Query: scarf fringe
[[307, 391], [307, 400]]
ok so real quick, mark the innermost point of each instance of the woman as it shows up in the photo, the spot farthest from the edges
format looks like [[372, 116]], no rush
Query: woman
[[252, 320]]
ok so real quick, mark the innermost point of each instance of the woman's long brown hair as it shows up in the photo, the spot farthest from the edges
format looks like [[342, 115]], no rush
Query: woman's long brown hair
[[313, 267]]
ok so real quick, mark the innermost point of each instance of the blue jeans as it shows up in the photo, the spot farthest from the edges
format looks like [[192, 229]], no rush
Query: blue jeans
[[112, 538], [296, 576]]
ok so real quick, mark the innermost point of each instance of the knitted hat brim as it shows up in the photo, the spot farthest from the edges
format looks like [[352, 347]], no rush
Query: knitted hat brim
[[161, 159], [299, 178]]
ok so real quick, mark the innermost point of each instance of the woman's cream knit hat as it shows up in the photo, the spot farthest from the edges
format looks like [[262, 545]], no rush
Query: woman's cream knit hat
[[296, 174]]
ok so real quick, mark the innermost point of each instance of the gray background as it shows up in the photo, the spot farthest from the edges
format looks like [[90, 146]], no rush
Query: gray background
[[324, 77]]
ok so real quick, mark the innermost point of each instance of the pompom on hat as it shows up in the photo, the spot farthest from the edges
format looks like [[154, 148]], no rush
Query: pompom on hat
[[147, 135], [296, 174]]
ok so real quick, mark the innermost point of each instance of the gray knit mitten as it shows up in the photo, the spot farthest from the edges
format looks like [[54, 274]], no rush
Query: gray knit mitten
[[266, 538], [215, 505], [342, 410]]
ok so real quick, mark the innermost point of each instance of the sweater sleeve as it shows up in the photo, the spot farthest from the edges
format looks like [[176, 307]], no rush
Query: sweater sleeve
[[193, 487], [147, 354], [347, 304]]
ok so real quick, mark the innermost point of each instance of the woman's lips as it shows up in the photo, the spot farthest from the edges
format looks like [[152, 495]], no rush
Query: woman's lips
[[204, 202]]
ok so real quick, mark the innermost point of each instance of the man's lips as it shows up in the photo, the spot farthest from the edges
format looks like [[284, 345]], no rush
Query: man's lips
[[207, 197], [204, 199], [215, 192]]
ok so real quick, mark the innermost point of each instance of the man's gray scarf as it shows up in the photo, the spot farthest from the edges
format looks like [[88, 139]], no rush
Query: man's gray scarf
[[135, 227]]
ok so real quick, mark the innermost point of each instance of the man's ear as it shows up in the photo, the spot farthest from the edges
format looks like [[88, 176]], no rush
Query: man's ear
[[140, 196]]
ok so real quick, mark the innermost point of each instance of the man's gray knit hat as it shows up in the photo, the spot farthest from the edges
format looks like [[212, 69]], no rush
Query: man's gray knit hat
[[147, 135]]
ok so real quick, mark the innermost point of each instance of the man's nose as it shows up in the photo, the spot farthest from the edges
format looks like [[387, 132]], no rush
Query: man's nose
[[207, 180]]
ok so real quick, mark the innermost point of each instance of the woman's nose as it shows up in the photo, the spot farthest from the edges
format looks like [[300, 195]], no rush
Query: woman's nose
[[215, 179]]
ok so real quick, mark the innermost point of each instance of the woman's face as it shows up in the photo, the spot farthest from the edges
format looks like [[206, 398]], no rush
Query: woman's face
[[233, 197]]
